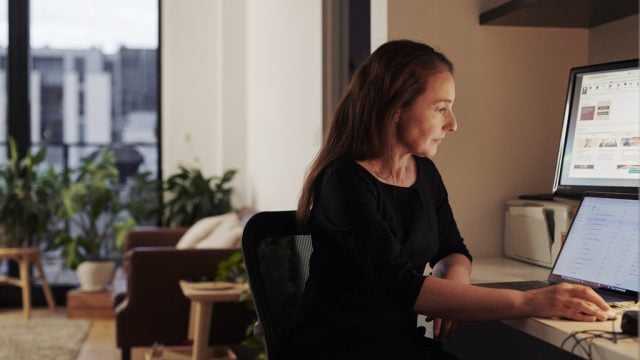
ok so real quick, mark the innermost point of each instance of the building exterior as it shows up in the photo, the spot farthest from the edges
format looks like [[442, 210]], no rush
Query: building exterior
[[83, 99]]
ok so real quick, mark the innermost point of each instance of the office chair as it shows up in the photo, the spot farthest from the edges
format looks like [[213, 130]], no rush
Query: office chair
[[276, 256]]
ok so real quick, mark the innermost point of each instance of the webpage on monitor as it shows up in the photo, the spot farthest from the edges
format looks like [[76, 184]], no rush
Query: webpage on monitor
[[606, 142]]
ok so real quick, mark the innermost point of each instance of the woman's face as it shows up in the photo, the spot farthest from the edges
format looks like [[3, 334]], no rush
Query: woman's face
[[422, 126]]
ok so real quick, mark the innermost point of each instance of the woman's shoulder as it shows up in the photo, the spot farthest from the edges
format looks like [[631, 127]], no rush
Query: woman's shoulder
[[343, 167], [344, 172], [424, 161], [426, 164]]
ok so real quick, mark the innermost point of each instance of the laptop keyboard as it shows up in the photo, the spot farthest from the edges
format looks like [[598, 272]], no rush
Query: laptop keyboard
[[517, 285]]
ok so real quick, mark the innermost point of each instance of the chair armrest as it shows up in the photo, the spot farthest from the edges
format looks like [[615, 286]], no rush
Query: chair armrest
[[142, 237]]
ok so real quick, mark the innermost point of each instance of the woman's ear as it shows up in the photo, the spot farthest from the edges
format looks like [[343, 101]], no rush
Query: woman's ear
[[396, 116]]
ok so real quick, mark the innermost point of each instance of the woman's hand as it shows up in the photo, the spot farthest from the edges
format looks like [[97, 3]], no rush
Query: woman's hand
[[570, 301], [443, 329]]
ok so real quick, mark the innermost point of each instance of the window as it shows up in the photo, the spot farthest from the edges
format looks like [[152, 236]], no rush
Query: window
[[83, 75]]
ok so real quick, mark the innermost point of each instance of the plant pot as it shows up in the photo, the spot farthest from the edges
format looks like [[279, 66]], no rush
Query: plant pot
[[95, 275]]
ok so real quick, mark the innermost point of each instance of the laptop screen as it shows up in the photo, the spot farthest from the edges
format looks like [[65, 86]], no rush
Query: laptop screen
[[601, 248]]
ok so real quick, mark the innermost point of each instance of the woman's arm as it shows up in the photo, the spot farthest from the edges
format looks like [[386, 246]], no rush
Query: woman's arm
[[452, 300], [455, 267]]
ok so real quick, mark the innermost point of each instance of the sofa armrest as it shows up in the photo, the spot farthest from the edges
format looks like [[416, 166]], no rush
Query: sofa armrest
[[145, 237], [152, 268], [155, 308]]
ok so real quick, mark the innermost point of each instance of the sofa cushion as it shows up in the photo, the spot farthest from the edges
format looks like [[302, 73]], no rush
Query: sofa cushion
[[230, 239], [227, 235], [201, 229]]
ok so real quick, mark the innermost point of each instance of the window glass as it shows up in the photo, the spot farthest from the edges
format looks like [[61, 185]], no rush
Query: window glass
[[94, 80]]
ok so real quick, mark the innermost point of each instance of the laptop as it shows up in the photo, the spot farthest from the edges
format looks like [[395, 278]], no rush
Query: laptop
[[599, 251]]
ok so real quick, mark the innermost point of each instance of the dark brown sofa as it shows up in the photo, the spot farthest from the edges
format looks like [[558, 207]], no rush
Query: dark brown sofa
[[153, 309]]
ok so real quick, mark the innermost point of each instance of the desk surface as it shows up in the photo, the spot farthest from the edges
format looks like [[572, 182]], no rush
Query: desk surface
[[496, 269], [554, 332]]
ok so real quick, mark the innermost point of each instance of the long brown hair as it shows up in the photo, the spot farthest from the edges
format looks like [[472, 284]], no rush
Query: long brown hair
[[362, 127]]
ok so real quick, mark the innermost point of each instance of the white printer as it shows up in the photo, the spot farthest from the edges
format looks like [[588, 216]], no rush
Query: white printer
[[534, 230]]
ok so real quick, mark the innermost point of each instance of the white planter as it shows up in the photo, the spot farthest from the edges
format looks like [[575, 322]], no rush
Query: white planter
[[95, 275]]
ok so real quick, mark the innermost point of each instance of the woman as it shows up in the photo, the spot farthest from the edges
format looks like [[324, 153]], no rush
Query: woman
[[378, 211]]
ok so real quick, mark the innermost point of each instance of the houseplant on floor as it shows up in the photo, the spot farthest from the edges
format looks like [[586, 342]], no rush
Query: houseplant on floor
[[29, 199], [96, 214]]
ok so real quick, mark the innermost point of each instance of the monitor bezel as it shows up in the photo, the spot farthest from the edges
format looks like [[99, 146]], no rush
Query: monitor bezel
[[576, 191]]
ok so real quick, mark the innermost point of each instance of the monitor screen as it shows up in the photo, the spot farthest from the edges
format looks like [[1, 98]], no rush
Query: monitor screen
[[600, 143]]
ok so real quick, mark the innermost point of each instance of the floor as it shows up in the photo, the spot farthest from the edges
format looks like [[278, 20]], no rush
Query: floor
[[100, 343], [101, 340]]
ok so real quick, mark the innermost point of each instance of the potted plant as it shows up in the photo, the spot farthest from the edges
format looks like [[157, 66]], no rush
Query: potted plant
[[96, 214], [29, 198], [192, 196], [143, 196]]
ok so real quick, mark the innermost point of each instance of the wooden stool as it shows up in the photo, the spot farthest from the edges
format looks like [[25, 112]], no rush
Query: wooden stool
[[25, 256]]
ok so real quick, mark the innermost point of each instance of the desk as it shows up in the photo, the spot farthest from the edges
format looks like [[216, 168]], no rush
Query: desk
[[202, 301], [531, 338]]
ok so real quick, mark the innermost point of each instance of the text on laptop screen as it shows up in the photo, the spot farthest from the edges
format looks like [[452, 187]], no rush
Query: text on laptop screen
[[600, 148], [602, 245]]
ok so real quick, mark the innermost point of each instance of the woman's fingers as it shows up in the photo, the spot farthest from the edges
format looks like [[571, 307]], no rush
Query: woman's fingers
[[450, 327], [584, 311], [571, 301], [437, 324], [596, 299], [444, 329], [586, 301]]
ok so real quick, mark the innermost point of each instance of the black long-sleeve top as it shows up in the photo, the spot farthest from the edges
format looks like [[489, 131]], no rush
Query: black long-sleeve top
[[371, 243]]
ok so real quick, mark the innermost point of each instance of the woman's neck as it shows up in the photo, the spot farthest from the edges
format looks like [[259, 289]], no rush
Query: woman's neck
[[400, 172]]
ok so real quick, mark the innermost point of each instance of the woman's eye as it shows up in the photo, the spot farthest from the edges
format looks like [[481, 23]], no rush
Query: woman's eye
[[442, 110]]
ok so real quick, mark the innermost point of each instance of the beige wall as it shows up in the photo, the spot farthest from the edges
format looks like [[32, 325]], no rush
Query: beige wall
[[284, 98], [617, 40], [204, 88], [190, 103], [243, 79], [511, 84]]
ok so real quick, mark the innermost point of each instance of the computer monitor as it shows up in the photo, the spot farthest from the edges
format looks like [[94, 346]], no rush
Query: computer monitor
[[600, 143]]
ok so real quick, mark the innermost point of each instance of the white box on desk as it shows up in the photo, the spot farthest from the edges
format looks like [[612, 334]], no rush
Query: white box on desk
[[535, 230]]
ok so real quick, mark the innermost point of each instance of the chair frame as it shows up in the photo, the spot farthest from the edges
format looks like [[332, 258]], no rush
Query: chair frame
[[261, 227]]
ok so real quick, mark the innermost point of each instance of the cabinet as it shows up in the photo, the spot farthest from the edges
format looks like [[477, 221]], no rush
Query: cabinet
[[558, 13]]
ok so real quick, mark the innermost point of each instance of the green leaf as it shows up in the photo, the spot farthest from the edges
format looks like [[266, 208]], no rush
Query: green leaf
[[122, 229], [228, 175], [192, 196]]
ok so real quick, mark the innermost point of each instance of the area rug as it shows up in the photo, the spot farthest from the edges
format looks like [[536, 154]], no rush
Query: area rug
[[41, 337]]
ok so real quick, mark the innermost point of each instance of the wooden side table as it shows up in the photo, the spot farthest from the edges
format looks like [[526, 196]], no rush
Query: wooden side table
[[24, 257], [202, 299]]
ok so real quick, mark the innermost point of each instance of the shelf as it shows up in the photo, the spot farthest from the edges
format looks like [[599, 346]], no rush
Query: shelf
[[559, 13]]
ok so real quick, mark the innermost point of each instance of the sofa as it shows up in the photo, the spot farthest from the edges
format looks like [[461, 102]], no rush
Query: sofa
[[150, 307]]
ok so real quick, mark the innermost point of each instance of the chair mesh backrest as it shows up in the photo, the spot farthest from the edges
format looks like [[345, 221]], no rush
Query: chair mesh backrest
[[277, 260]]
